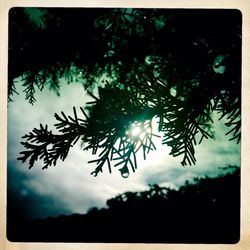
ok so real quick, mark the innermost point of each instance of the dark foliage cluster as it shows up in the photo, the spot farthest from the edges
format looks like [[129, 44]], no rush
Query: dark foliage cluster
[[45, 145], [175, 66], [204, 210]]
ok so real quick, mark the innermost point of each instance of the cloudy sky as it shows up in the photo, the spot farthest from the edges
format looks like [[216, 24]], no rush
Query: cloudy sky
[[69, 187]]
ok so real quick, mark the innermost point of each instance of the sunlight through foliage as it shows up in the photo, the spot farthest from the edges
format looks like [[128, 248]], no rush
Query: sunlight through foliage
[[176, 66]]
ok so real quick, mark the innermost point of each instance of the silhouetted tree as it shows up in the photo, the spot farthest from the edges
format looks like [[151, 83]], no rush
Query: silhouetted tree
[[176, 66], [204, 210]]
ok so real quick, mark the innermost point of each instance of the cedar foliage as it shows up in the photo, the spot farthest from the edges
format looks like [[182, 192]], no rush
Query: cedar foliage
[[175, 66]]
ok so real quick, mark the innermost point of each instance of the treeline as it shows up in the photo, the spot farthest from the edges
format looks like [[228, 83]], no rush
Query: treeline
[[204, 210]]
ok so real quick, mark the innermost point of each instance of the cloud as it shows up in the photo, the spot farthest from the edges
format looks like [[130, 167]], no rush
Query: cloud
[[211, 155], [25, 202], [68, 187]]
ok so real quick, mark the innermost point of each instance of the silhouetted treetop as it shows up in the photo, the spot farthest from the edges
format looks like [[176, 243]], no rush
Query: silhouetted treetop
[[173, 66], [203, 210]]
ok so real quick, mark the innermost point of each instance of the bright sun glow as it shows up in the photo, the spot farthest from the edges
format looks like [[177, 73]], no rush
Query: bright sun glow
[[136, 131]]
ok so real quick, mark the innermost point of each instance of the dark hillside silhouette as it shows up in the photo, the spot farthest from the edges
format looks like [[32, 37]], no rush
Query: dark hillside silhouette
[[204, 210], [149, 72]]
